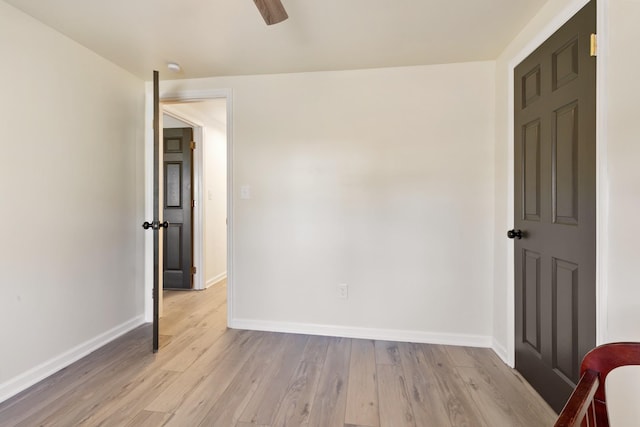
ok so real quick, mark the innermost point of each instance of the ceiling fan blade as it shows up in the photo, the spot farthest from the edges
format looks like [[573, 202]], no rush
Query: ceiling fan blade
[[271, 10]]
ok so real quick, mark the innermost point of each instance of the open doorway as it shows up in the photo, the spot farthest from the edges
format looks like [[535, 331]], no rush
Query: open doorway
[[197, 119], [206, 121]]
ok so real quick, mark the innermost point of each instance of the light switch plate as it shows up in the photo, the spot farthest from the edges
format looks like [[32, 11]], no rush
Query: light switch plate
[[245, 192]]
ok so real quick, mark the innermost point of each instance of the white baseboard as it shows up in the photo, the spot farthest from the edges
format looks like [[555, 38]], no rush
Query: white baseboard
[[216, 279], [364, 333], [502, 353], [25, 380]]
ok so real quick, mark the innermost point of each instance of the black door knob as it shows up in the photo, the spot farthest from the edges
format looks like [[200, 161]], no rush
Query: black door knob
[[513, 234], [156, 225]]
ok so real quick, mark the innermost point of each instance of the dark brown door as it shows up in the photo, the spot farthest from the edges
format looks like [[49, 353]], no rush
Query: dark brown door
[[155, 225], [178, 196], [555, 209]]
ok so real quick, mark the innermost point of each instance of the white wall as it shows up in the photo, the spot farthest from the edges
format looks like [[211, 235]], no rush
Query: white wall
[[169, 122], [622, 159], [215, 203], [380, 179], [72, 200]]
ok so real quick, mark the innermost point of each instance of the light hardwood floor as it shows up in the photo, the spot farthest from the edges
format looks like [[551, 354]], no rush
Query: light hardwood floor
[[208, 375]]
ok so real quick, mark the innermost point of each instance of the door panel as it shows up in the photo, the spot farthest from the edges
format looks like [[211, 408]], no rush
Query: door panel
[[178, 237], [531, 170], [531, 304], [565, 290], [555, 209], [564, 167]]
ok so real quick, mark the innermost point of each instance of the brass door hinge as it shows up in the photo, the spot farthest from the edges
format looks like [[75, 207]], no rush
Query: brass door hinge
[[193, 270], [593, 50], [193, 145]]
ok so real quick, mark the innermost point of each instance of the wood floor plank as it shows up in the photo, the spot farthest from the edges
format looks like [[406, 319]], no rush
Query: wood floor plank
[[424, 393], [275, 379], [194, 407], [212, 317], [196, 346], [316, 349], [362, 393], [329, 405], [295, 405], [179, 351], [176, 345], [195, 306], [459, 404], [387, 353], [395, 407], [78, 402], [232, 403], [44, 394], [530, 409], [176, 393], [123, 404], [461, 356], [149, 419], [489, 400]]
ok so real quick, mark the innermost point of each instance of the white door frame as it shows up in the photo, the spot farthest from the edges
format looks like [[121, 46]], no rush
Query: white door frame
[[198, 161], [601, 175]]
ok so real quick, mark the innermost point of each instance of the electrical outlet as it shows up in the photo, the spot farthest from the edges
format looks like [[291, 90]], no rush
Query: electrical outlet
[[343, 291]]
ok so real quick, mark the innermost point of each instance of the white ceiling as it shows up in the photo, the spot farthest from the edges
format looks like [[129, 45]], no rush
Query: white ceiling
[[229, 37]]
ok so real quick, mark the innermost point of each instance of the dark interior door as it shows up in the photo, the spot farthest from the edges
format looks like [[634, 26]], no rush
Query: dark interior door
[[555, 209], [178, 237], [156, 211]]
